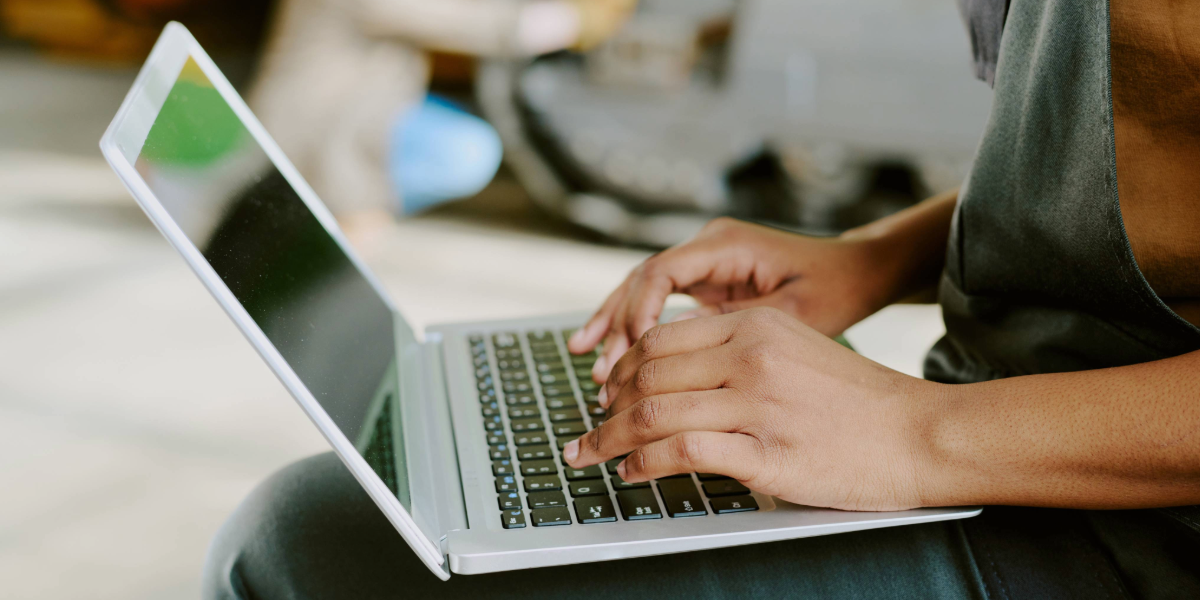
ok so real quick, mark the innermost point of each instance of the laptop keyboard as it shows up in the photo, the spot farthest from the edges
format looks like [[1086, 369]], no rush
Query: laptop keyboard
[[534, 398]]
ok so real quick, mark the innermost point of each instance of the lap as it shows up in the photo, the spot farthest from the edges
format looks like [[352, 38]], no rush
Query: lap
[[310, 531]]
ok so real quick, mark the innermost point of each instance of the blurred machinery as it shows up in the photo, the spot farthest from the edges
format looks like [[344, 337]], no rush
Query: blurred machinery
[[779, 111]]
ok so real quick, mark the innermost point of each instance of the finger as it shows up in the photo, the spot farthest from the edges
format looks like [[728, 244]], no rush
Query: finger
[[590, 334], [615, 345], [665, 340], [675, 269], [736, 455], [781, 299], [652, 419], [691, 372]]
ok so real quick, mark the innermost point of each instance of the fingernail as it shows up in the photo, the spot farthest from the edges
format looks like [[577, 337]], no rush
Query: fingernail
[[571, 450], [602, 397], [600, 366], [621, 469]]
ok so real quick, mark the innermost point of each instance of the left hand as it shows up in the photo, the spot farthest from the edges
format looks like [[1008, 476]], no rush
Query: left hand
[[760, 397]]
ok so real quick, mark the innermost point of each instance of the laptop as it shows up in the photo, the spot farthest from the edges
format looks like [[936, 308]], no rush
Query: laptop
[[457, 434]]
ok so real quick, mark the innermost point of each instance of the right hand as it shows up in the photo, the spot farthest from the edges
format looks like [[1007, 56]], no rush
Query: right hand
[[827, 283]]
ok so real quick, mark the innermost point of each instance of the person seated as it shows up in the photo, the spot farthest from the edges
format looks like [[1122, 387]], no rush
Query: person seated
[[1065, 394]]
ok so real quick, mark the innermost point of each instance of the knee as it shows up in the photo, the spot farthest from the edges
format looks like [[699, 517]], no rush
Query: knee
[[276, 536]]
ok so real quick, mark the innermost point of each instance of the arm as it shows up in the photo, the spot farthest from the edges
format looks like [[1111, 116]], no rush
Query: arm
[[1126, 437], [760, 397], [827, 283], [495, 27]]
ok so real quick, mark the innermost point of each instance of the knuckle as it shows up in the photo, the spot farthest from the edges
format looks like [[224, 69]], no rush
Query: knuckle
[[647, 415], [644, 379], [690, 449], [635, 463], [594, 437], [652, 341]]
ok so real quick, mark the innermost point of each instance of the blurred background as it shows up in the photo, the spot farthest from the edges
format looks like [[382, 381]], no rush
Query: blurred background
[[516, 163]]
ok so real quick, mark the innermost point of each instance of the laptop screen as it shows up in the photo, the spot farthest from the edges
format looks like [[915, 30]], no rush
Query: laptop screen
[[318, 310]]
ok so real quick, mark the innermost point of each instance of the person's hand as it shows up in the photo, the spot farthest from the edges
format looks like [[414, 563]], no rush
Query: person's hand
[[760, 397], [828, 283]]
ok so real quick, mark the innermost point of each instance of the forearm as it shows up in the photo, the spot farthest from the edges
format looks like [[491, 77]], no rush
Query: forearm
[[477, 27], [909, 247], [1125, 437]]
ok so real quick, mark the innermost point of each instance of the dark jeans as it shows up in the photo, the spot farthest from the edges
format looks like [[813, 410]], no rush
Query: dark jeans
[[310, 531]]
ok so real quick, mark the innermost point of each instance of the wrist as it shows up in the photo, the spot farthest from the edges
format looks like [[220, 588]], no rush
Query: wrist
[[943, 447]]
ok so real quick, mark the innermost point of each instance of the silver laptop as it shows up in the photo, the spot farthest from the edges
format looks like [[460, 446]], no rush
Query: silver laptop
[[457, 434]]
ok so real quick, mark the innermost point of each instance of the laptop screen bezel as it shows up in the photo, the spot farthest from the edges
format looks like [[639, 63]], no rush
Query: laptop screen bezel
[[121, 145]]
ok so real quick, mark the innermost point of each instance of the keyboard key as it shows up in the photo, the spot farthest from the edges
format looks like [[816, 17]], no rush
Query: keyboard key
[[594, 509], [677, 476], [543, 483], [513, 376], [519, 425], [534, 453], [493, 424], [557, 390], [546, 517], [523, 412], [506, 483], [564, 440], [513, 519], [708, 476], [540, 336], [495, 438], [487, 395], [569, 428], [733, 504], [504, 340], [551, 367], [531, 439], [480, 359], [681, 498], [595, 410], [724, 487], [482, 371], [637, 505], [516, 387], [546, 499], [502, 467], [559, 378], [592, 472], [508, 353], [586, 385], [520, 400], [588, 487], [538, 467], [498, 451], [511, 364], [565, 414], [621, 484], [611, 466], [561, 402], [510, 500], [489, 410], [484, 384]]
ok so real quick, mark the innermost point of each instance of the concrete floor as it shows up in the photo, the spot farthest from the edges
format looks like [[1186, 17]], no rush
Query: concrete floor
[[133, 416]]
